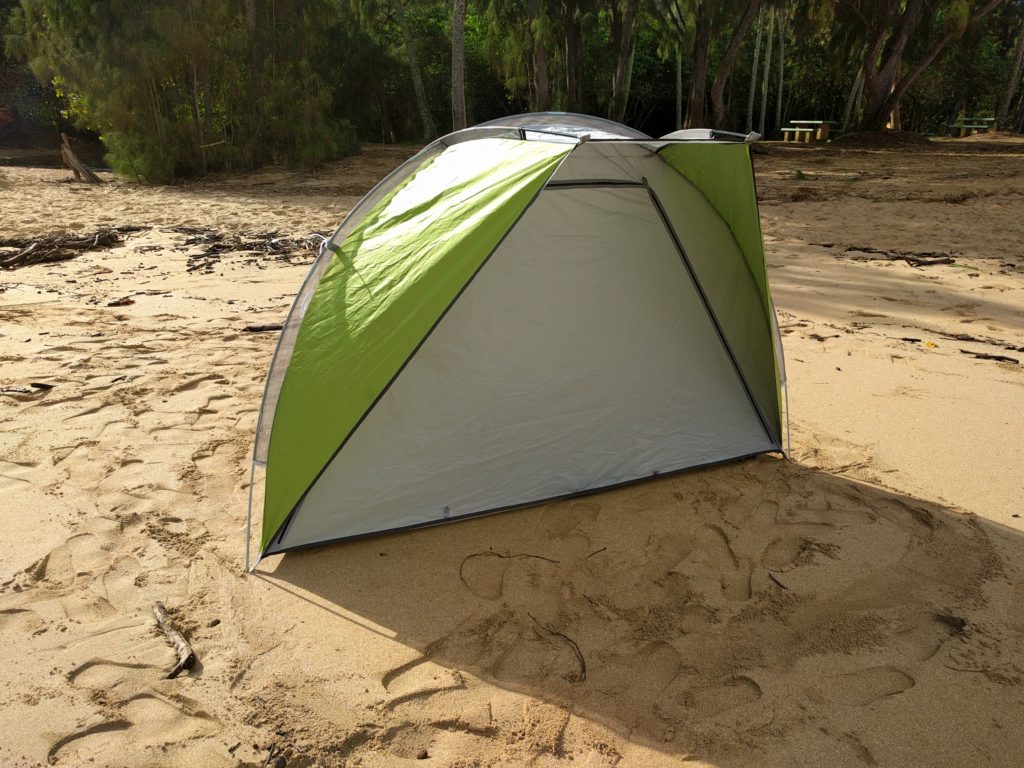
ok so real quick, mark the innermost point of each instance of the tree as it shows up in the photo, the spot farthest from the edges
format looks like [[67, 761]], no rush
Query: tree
[[1012, 82], [889, 27], [753, 72], [729, 58], [623, 17], [459, 65], [426, 117], [696, 113]]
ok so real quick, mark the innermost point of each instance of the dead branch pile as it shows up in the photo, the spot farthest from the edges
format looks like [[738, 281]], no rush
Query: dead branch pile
[[18, 252], [214, 244]]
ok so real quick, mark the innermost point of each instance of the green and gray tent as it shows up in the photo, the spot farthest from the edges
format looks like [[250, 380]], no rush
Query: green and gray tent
[[537, 307]]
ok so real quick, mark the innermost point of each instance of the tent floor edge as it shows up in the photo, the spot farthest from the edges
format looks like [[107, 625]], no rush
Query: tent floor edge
[[271, 550]]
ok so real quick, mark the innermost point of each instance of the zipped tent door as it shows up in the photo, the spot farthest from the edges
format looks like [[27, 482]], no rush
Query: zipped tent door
[[581, 356]]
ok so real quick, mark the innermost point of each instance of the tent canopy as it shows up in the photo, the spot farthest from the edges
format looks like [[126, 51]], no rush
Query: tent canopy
[[533, 308]]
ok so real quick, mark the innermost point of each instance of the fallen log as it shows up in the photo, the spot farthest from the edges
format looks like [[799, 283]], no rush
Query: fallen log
[[77, 166], [186, 656], [263, 328]]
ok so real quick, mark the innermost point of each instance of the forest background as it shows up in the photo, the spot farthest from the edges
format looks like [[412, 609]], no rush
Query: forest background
[[177, 88]]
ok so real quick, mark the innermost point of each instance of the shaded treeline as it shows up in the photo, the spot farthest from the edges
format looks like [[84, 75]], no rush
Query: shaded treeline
[[182, 87]]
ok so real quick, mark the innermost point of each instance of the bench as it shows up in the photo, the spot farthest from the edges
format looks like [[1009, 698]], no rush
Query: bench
[[798, 134]]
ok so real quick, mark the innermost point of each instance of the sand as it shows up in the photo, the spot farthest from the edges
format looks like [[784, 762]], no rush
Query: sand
[[862, 604]]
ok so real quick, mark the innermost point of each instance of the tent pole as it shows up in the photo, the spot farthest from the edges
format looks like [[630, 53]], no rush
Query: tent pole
[[248, 518]]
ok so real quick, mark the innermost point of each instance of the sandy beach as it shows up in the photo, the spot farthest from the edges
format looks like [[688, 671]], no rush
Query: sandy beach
[[861, 604]]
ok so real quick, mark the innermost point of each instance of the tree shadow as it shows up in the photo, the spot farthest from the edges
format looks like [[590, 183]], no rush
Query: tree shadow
[[734, 614]]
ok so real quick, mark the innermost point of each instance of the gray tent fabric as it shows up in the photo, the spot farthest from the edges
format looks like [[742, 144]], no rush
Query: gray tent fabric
[[608, 365], [615, 333]]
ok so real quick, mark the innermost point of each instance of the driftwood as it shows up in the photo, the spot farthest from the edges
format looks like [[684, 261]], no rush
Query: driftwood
[[186, 656], [986, 356], [77, 166], [214, 244], [58, 246], [913, 258], [263, 328]]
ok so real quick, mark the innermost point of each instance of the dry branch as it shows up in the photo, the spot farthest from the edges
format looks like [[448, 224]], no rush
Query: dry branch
[[77, 166], [58, 246], [186, 656]]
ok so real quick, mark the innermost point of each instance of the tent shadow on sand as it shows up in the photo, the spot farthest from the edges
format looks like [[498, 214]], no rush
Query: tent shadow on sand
[[755, 613]]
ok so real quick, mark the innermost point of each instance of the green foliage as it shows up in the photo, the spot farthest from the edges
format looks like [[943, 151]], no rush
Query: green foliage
[[185, 87]]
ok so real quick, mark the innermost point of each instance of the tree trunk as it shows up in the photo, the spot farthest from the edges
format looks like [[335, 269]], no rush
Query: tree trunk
[[695, 113], [679, 87], [884, 87], [851, 101], [573, 56], [753, 71], [623, 16], [1003, 115], [426, 119], [539, 57], [782, 67], [767, 73], [721, 118], [459, 65]]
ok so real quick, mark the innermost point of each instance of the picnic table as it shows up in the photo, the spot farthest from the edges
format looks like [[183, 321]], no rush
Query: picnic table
[[807, 130], [968, 126]]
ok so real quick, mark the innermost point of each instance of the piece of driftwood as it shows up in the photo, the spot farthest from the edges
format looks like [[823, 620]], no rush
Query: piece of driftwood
[[263, 328], [186, 656], [986, 356], [77, 166]]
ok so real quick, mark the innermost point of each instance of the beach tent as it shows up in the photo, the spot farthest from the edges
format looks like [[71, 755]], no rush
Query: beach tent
[[537, 307]]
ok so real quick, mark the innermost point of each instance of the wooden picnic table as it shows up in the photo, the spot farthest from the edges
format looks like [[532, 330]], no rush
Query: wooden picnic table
[[820, 128], [967, 126]]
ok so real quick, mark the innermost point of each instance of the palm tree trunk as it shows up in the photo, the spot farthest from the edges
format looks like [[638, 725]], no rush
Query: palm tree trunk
[[767, 72], [426, 118], [729, 61], [623, 17], [573, 56], [782, 66], [459, 65], [541, 85], [753, 71], [850, 113], [679, 87], [695, 114]]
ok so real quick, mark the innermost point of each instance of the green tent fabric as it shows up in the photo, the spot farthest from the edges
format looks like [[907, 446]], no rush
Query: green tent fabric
[[387, 285], [530, 309], [724, 177]]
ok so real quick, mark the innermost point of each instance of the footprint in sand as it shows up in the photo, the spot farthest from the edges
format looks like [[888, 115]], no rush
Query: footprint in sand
[[868, 685], [782, 553], [734, 693], [714, 570], [924, 635], [484, 573]]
